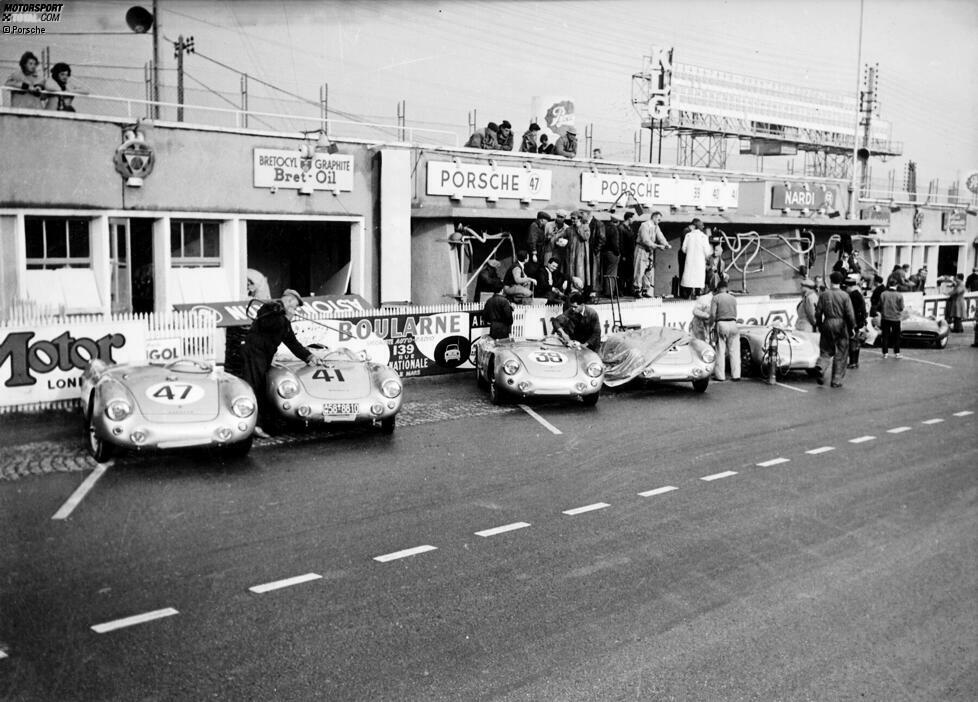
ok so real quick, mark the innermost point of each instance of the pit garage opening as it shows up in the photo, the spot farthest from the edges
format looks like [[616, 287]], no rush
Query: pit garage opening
[[311, 257]]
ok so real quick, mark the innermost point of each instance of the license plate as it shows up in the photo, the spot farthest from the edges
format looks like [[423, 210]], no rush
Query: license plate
[[337, 409]]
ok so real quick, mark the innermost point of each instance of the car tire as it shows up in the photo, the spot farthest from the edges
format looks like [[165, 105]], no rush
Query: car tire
[[701, 385], [747, 367], [497, 395], [98, 448], [480, 381], [240, 449], [941, 342], [591, 400], [388, 424]]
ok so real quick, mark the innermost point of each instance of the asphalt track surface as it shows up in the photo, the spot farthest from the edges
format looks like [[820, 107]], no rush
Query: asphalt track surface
[[791, 542]]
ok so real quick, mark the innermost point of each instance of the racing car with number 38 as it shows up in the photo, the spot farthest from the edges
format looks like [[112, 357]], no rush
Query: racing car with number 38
[[184, 403], [346, 388], [537, 368]]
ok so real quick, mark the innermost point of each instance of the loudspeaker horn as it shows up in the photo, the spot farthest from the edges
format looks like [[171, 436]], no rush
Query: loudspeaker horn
[[139, 19]]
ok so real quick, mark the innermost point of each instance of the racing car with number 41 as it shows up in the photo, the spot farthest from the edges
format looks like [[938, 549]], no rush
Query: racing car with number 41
[[181, 404], [346, 388]]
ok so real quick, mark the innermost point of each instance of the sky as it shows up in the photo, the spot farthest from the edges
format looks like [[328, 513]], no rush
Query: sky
[[449, 61]]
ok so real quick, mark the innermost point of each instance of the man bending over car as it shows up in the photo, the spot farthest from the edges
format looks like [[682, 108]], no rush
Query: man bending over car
[[579, 324]]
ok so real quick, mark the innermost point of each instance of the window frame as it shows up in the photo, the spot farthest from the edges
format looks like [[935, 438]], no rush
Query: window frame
[[46, 262], [179, 227]]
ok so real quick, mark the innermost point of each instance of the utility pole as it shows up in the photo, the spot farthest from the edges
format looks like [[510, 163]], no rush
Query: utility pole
[[179, 48], [853, 195], [156, 61]]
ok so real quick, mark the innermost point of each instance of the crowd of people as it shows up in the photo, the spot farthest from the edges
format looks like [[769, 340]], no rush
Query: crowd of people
[[33, 91], [499, 137]]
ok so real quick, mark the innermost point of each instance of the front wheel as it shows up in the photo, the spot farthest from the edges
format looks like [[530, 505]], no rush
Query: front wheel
[[747, 367], [99, 449], [702, 384], [388, 424], [480, 380], [591, 400], [941, 342], [240, 449], [497, 396]]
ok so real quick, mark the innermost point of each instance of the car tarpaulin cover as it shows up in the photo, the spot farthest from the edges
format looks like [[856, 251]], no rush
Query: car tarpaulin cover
[[626, 354]]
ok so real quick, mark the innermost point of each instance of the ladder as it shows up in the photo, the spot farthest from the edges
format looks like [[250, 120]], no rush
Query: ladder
[[617, 324]]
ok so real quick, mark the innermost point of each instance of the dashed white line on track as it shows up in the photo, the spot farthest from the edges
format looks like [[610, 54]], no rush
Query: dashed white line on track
[[586, 508], [133, 620], [288, 582], [405, 553], [502, 529], [936, 420], [820, 449], [790, 387], [658, 491], [965, 413], [897, 430], [2, 655], [773, 462], [79, 494], [930, 363], [550, 427], [717, 476], [862, 439]]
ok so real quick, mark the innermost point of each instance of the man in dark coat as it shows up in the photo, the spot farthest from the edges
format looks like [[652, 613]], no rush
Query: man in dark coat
[[836, 320], [859, 312], [498, 314], [579, 325]]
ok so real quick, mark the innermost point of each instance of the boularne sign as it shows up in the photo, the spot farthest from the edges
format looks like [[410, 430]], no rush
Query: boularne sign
[[282, 168], [495, 182], [653, 191]]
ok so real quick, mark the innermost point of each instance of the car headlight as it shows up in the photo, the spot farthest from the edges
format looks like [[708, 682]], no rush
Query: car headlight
[[709, 355], [288, 388], [118, 410], [243, 407], [391, 388], [511, 367], [594, 370]]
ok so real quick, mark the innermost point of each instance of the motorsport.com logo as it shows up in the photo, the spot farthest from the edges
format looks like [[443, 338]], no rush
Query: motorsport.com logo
[[18, 13]]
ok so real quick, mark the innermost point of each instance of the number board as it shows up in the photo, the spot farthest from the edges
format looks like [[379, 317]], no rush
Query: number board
[[329, 375], [173, 393], [549, 357]]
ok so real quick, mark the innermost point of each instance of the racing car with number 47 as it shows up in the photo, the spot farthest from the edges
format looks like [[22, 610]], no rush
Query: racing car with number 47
[[537, 368], [346, 388], [181, 404]]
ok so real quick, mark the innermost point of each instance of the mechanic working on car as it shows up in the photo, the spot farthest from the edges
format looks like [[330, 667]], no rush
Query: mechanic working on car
[[272, 326], [579, 325], [498, 314]]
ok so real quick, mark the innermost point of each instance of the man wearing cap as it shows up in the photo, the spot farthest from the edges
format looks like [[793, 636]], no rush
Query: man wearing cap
[[272, 327], [859, 311], [484, 138], [505, 139], [627, 247], [649, 239], [566, 145], [805, 311], [836, 321], [556, 237], [529, 144], [535, 236], [498, 314], [611, 254]]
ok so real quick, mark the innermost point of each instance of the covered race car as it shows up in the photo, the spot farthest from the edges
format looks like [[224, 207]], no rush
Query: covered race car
[[346, 389], [537, 368], [796, 350], [915, 328], [657, 354], [180, 404]]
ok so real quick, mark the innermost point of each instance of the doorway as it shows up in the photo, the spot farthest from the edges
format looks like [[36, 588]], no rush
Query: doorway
[[947, 260], [310, 257], [131, 242]]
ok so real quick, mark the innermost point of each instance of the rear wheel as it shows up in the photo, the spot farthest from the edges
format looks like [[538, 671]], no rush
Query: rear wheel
[[747, 367], [240, 449], [388, 424], [702, 384]]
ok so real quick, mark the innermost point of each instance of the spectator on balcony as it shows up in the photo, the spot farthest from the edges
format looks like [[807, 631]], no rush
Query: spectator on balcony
[[529, 145], [27, 83], [545, 146], [60, 83], [566, 145], [597, 155], [504, 139], [487, 138]]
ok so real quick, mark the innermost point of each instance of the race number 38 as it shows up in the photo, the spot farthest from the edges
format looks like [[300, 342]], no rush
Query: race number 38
[[548, 357], [175, 393]]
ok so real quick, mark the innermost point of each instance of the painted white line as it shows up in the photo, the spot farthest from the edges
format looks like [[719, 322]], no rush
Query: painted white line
[[862, 439], [790, 387], [936, 420], [79, 494], [2, 655], [773, 462], [717, 476], [136, 619], [405, 553], [502, 529], [586, 508], [897, 430], [657, 491], [544, 422], [963, 414], [920, 360], [821, 449], [288, 582]]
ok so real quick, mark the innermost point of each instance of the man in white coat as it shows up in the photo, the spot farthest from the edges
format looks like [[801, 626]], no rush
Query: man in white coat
[[696, 247]]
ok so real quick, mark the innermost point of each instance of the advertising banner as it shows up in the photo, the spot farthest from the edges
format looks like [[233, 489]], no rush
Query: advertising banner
[[282, 168], [554, 114], [45, 363], [232, 314], [806, 195], [477, 180], [658, 191]]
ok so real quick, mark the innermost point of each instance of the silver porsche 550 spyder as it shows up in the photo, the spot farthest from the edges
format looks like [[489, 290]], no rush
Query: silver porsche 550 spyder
[[796, 350], [181, 404], [346, 389], [915, 328], [537, 368], [657, 354]]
